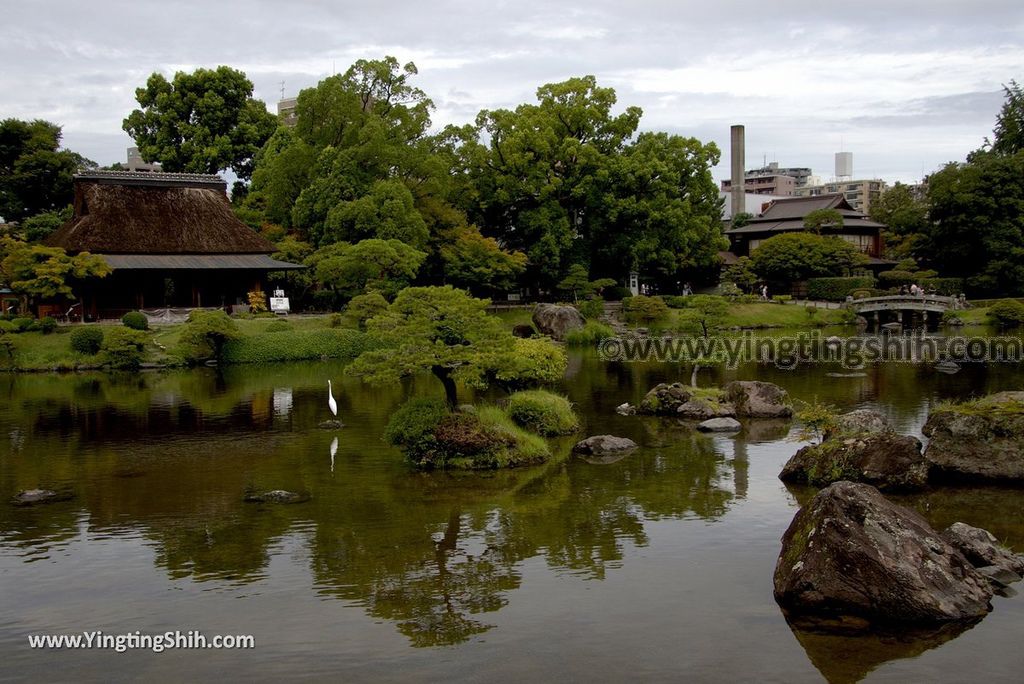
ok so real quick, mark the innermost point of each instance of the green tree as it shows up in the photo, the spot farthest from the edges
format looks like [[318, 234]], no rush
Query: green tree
[[478, 263], [706, 311], [442, 330], [741, 274], [905, 216], [38, 272], [1008, 136], [202, 122], [38, 227], [387, 211], [281, 172], [35, 174], [821, 218], [386, 266], [797, 256], [205, 334], [976, 230]]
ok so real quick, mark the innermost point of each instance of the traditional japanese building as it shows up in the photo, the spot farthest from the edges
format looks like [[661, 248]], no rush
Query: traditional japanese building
[[171, 239]]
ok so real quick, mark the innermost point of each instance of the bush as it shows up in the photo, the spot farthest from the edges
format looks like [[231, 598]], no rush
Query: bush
[[782, 298], [542, 412], [257, 302], [1007, 313], [675, 301], [22, 325], [592, 309], [362, 308], [589, 335], [412, 426], [895, 278], [335, 320], [616, 293], [302, 345], [837, 289], [278, 326], [532, 361], [123, 348], [642, 308], [47, 324], [482, 440], [205, 335], [136, 320], [946, 287], [87, 339]]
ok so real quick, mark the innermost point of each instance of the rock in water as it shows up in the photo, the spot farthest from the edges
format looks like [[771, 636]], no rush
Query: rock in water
[[681, 401], [604, 449], [885, 460], [980, 440], [720, 425], [756, 399], [625, 409], [852, 558], [331, 425], [32, 497], [981, 549], [861, 421], [557, 320], [279, 496]]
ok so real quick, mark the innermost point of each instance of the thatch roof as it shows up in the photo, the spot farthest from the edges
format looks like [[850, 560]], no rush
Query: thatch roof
[[155, 213]]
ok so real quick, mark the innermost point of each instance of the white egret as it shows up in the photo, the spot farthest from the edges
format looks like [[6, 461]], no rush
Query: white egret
[[333, 405]]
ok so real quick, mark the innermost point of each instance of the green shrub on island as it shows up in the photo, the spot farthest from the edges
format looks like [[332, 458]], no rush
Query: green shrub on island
[[644, 309], [543, 413], [297, 345], [123, 348], [87, 340], [22, 325], [205, 334], [592, 309], [136, 320], [433, 437], [589, 335], [1008, 313]]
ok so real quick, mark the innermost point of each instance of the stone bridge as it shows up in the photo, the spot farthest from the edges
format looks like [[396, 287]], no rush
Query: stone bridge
[[921, 305]]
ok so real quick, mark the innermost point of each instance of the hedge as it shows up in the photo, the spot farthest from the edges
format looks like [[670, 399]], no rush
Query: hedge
[[837, 289], [304, 345], [944, 286]]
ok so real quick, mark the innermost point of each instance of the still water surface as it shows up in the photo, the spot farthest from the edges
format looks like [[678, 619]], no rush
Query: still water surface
[[657, 567]]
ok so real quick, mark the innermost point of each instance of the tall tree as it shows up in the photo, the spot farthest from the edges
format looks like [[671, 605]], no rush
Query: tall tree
[[35, 174], [203, 122], [1008, 136], [905, 215]]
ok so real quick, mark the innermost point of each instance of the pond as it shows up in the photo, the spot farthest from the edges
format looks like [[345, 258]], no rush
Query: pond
[[658, 566]]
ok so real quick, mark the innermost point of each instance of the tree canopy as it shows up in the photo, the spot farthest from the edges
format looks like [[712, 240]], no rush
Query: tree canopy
[[200, 122], [35, 173], [1008, 136], [798, 256], [44, 272]]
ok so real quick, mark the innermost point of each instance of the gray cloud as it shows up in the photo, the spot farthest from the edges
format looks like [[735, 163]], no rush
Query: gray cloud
[[906, 86]]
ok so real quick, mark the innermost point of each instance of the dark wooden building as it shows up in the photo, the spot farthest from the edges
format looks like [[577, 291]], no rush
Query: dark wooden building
[[171, 239], [787, 215]]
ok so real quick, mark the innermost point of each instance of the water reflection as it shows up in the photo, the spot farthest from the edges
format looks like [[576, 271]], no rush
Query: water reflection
[[167, 457]]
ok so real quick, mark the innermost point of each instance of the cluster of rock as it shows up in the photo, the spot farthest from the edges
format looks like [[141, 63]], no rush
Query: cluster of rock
[[983, 440], [851, 560], [741, 398]]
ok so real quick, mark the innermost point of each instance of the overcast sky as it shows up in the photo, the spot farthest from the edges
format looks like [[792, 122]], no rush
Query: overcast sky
[[905, 86]]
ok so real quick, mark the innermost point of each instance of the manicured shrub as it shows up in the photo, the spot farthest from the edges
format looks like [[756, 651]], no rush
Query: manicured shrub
[[837, 289], [297, 345], [1007, 313], [335, 320], [589, 335], [782, 298], [644, 309], [136, 320], [205, 335], [22, 325], [47, 324], [616, 293], [362, 308], [946, 287], [87, 339], [123, 348], [543, 412], [895, 278], [592, 309], [412, 426]]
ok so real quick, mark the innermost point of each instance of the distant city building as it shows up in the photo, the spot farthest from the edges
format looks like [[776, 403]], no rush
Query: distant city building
[[137, 163], [861, 194], [286, 111], [844, 165], [765, 184]]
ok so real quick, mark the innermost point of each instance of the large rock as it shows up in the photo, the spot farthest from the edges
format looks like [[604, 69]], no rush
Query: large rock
[[33, 497], [684, 401], [885, 460], [852, 559], [860, 421], [557, 320], [982, 549], [604, 449], [756, 399], [719, 425], [980, 440], [278, 496]]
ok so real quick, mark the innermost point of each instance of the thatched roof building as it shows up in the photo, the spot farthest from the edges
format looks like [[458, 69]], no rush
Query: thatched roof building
[[171, 238]]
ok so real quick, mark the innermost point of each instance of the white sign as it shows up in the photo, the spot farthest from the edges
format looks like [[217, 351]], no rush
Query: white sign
[[279, 304], [279, 293]]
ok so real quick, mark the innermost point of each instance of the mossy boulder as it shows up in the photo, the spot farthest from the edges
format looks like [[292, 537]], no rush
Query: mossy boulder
[[885, 460], [860, 421], [756, 399], [978, 440], [543, 413], [685, 401], [557, 320], [852, 560]]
